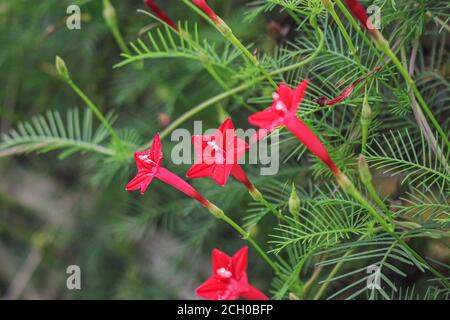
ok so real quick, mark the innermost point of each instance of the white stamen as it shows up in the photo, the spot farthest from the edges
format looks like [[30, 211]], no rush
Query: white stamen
[[224, 273], [213, 145], [280, 105], [275, 96]]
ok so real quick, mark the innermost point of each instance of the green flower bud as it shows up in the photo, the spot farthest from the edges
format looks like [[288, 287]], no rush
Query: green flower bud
[[294, 202], [366, 113], [62, 68], [363, 169], [328, 4], [293, 296], [109, 13]]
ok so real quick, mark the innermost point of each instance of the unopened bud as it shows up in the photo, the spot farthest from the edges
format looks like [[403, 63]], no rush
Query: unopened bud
[[216, 211], [366, 113], [293, 296], [294, 202], [363, 169], [62, 68], [327, 4], [344, 182], [109, 13]]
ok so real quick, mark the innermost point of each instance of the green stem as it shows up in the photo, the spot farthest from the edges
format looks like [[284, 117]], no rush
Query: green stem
[[350, 188], [366, 39], [204, 105], [333, 272], [374, 195], [226, 31], [247, 237], [94, 109], [330, 9], [383, 45], [257, 196]]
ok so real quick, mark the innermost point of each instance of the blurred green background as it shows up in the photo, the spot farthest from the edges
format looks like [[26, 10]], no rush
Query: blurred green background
[[55, 213]]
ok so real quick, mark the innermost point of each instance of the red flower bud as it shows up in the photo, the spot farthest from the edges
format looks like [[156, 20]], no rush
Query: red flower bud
[[161, 14], [207, 9]]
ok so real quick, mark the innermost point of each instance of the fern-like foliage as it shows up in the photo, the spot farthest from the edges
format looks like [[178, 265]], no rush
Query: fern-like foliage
[[397, 154], [164, 42], [50, 132]]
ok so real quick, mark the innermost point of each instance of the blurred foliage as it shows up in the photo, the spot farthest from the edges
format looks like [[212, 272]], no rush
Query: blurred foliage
[[74, 210]]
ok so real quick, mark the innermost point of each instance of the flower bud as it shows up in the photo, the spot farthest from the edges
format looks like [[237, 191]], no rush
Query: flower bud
[[62, 68], [327, 4], [363, 169], [109, 13], [293, 296], [294, 202], [366, 113]]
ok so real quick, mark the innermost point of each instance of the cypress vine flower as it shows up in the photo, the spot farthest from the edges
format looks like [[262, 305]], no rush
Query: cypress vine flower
[[218, 156], [149, 166], [229, 278], [282, 112], [207, 9], [161, 14]]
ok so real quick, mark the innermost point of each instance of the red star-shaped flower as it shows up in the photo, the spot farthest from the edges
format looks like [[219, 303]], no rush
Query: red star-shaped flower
[[149, 166], [218, 155], [229, 278], [282, 112]]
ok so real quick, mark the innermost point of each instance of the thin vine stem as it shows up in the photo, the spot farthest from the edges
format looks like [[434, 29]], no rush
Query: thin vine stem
[[249, 238], [384, 47], [94, 109], [348, 40], [204, 105]]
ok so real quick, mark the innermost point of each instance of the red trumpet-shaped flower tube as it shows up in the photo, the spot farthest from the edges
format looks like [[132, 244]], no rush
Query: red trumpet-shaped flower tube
[[347, 91], [360, 13], [161, 14], [207, 9], [218, 156], [282, 112], [149, 166], [229, 278]]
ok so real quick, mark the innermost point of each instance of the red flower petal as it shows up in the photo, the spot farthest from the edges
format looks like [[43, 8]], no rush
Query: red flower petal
[[267, 119], [220, 260], [310, 140], [285, 93], [240, 176], [161, 14], [156, 150], [240, 262], [254, 294], [140, 181], [199, 170], [214, 289], [217, 154], [298, 95], [175, 181]]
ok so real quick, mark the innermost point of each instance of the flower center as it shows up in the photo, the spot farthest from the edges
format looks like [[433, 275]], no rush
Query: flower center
[[224, 273], [218, 153], [146, 159], [280, 106]]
